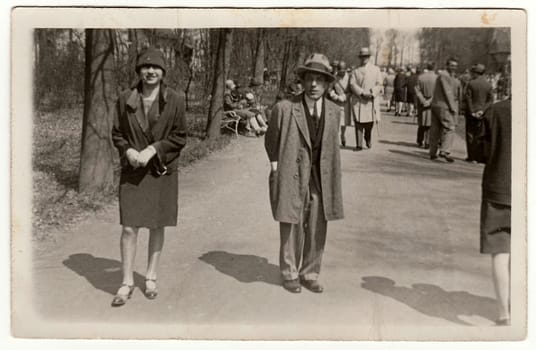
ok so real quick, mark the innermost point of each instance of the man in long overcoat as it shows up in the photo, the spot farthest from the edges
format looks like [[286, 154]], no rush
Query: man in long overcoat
[[366, 84], [305, 178], [424, 91], [478, 98], [445, 108]]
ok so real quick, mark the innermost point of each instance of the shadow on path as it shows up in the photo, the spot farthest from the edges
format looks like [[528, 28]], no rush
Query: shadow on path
[[244, 268], [434, 301], [404, 122], [400, 143], [104, 274], [425, 154]]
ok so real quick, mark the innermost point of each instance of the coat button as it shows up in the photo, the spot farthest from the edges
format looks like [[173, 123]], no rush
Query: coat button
[[296, 176], [298, 160]]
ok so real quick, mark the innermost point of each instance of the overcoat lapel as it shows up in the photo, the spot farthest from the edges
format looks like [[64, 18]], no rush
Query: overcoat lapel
[[299, 114], [329, 115], [134, 103], [161, 118]]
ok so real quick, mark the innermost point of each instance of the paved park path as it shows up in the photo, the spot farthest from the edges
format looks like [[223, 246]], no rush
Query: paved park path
[[406, 255]]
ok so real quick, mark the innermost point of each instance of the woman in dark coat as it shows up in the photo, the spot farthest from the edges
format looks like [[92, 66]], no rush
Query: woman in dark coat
[[399, 95], [149, 132]]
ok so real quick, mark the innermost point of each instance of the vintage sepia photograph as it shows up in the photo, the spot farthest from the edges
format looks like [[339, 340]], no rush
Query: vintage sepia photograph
[[269, 174]]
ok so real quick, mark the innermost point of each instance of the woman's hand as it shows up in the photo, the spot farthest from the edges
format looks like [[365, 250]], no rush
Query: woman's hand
[[146, 155], [132, 157]]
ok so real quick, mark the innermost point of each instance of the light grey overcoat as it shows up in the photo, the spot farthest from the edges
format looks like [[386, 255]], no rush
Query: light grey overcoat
[[287, 142]]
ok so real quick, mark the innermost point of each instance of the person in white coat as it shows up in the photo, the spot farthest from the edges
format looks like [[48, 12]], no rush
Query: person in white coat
[[366, 84]]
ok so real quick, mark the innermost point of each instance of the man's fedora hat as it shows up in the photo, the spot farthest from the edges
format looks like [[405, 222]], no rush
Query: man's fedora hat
[[364, 52], [479, 68], [316, 63], [151, 56]]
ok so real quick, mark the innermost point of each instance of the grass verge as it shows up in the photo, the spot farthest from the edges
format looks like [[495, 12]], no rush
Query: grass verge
[[56, 156]]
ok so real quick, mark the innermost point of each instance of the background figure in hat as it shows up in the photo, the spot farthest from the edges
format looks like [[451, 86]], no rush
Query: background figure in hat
[[478, 98], [305, 178], [366, 84], [424, 90], [340, 94], [149, 131], [445, 108]]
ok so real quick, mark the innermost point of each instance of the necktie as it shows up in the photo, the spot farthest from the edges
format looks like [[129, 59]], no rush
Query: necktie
[[316, 116], [315, 112]]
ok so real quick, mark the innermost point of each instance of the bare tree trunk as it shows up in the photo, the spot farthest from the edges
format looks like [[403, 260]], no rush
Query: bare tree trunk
[[216, 102], [285, 64], [258, 68], [96, 167], [187, 89], [132, 53], [402, 55], [227, 50]]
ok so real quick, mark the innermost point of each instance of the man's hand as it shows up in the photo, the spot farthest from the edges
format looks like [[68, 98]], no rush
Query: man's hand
[[273, 166], [146, 155], [367, 96], [133, 157]]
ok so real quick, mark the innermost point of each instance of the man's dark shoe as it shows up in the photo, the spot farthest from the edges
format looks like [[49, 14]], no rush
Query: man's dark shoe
[[357, 149], [312, 285], [446, 157], [433, 157], [343, 141], [292, 286]]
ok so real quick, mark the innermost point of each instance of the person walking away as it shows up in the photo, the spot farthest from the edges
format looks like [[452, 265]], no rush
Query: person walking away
[[424, 91], [305, 178], [340, 94], [366, 85], [495, 150], [445, 106], [478, 98], [400, 84], [388, 88], [411, 99], [149, 131]]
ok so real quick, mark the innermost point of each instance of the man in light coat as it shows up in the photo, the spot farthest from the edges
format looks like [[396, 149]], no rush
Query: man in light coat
[[305, 178], [445, 108], [366, 84]]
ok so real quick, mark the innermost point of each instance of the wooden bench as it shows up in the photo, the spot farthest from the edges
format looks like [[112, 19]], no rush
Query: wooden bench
[[230, 120]]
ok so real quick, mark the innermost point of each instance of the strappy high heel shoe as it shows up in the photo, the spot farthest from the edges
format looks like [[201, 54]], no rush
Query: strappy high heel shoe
[[151, 292], [121, 299]]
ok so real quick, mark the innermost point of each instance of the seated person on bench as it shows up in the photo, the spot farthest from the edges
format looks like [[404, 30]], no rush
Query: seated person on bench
[[233, 102]]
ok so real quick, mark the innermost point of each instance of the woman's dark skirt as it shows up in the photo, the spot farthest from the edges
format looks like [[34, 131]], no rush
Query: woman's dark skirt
[[494, 228], [146, 200]]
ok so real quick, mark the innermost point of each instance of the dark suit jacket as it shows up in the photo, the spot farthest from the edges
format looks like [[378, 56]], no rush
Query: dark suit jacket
[[167, 135], [288, 142], [478, 95]]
